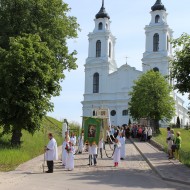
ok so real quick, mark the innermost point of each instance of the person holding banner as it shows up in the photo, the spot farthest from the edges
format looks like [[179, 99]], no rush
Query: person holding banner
[[51, 153], [93, 151]]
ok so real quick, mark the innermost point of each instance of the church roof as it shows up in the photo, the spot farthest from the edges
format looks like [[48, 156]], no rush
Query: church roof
[[158, 6], [102, 13]]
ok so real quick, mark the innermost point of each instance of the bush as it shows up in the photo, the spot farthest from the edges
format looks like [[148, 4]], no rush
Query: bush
[[187, 127]]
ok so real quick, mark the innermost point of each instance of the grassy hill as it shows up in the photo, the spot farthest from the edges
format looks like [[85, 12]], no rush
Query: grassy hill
[[32, 145], [185, 148]]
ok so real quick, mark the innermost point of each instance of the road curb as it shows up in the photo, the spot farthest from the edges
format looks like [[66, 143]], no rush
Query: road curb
[[156, 170]]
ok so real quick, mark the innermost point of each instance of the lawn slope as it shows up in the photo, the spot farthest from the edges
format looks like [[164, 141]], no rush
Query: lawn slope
[[185, 148], [32, 145]]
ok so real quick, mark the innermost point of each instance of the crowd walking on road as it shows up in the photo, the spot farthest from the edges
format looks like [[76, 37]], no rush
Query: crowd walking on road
[[117, 138]]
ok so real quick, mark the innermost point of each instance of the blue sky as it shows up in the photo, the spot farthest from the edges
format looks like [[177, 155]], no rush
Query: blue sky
[[128, 21]]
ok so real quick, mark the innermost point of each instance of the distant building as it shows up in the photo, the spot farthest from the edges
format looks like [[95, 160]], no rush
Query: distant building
[[106, 85]]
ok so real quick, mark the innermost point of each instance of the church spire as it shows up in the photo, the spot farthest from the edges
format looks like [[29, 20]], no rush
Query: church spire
[[102, 3], [102, 13], [158, 6]]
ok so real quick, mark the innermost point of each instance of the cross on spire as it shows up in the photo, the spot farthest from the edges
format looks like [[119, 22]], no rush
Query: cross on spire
[[102, 3]]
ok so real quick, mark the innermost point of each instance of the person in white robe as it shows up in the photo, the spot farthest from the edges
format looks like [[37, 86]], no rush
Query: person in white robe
[[51, 153], [73, 139], [70, 157], [92, 151], [90, 154], [122, 142], [80, 143], [116, 155], [149, 134], [100, 147], [64, 151]]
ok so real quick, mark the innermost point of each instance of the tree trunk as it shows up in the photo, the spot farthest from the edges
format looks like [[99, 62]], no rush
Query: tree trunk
[[16, 137], [155, 125]]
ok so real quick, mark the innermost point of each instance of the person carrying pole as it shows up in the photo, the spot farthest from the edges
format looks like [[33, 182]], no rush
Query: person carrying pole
[[51, 153]]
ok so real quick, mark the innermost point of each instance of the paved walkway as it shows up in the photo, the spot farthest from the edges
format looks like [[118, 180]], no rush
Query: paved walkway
[[132, 174], [171, 170]]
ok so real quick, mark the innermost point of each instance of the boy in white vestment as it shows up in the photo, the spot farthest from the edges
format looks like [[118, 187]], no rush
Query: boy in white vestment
[[92, 150], [116, 155], [70, 157], [122, 141], [73, 139], [90, 154], [64, 151], [51, 153]]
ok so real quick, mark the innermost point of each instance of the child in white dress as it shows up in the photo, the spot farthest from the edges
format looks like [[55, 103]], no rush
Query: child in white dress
[[116, 155], [70, 157], [64, 151]]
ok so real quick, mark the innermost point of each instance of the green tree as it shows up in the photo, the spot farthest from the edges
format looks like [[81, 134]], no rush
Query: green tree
[[180, 70], [33, 56], [150, 98]]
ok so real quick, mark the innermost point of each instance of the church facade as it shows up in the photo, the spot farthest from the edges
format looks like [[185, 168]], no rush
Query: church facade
[[106, 85]]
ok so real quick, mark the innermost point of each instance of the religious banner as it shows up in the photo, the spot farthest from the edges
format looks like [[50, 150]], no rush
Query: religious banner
[[92, 128]]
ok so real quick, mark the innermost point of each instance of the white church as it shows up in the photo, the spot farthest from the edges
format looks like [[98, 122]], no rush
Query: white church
[[106, 85]]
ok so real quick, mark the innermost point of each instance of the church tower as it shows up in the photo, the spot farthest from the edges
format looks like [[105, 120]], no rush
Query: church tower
[[100, 62], [158, 49]]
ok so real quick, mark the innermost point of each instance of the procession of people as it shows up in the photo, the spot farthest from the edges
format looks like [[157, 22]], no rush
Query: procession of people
[[117, 137]]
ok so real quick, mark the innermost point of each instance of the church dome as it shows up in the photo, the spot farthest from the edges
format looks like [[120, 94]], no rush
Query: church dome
[[102, 13], [158, 6]]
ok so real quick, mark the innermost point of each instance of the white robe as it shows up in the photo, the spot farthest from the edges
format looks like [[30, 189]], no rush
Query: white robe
[[80, 143], [93, 149], [116, 155], [70, 159], [101, 145], [64, 153], [122, 151], [52, 152], [73, 140]]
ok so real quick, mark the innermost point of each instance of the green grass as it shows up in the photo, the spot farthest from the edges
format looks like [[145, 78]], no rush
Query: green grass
[[31, 147], [185, 148]]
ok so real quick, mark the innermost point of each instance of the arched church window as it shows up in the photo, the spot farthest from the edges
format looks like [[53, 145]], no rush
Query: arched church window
[[96, 83], [113, 113], [100, 26], [156, 42], [110, 49], [125, 112], [94, 113], [157, 19], [156, 69], [98, 48]]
